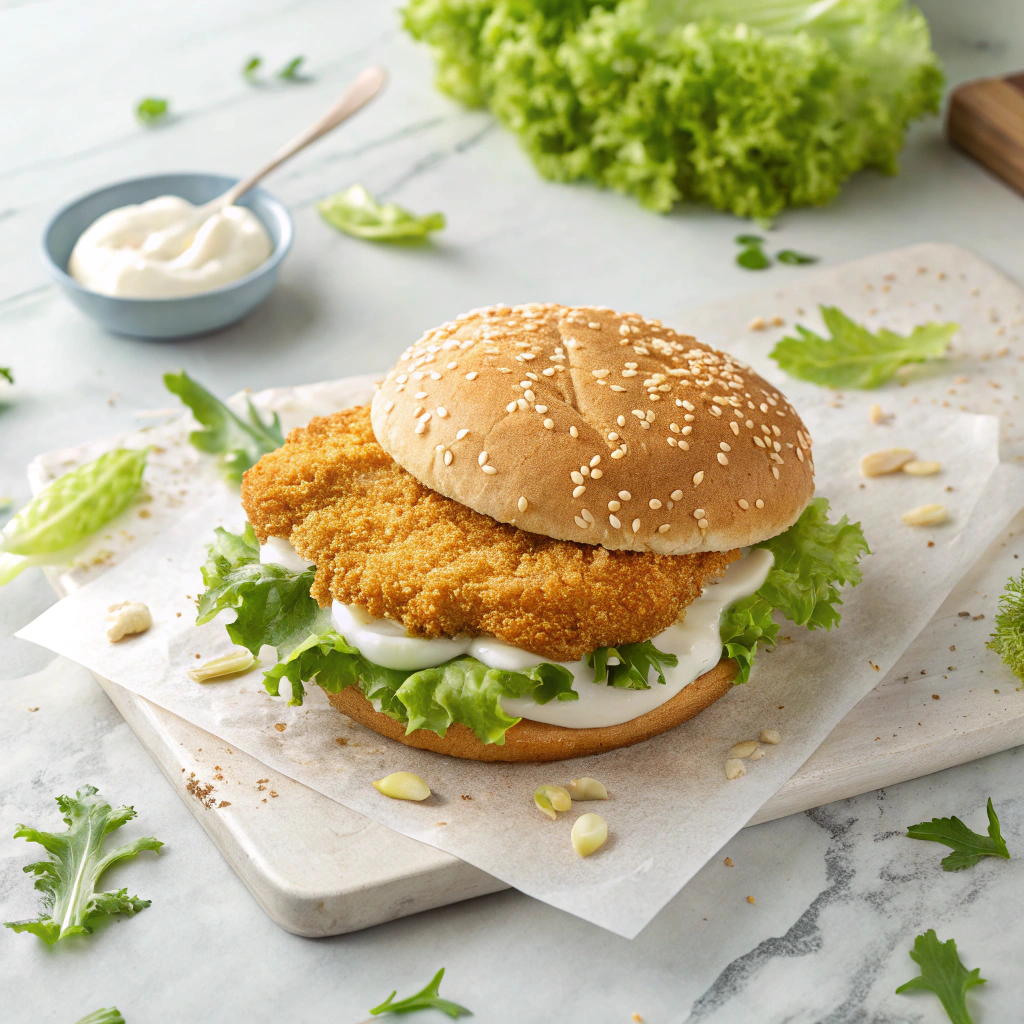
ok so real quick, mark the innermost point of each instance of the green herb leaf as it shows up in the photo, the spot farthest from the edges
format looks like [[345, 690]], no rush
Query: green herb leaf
[[753, 258], [462, 690], [290, 71], [151, 110], [357, 213], [7, 374], [634, 667], [748, 240], [74, 506], [1008, 639], [427, 998], [251, 66], [968, 846], [238, 442], [813, 559], [112, 1015], [944, 974], [69, 878], [794, 258], [272, 604], [669, 101], [854, 357]]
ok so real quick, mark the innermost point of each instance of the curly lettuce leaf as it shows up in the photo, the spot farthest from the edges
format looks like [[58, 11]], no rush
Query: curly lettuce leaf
[[74, 506], [429, 997], [634, 667], [272, 604], [462, 690], [237, 441], [357, 213], [108, 1015], [68, 880], [944, 974], [1008, 639], [813, 559], [967, 845], [854, 357], [748, 105]]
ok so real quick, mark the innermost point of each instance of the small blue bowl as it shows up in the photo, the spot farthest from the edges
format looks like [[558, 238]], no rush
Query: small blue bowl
[[175, 317]]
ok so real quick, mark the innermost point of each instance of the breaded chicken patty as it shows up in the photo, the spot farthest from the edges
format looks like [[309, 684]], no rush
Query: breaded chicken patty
[[384, 542]]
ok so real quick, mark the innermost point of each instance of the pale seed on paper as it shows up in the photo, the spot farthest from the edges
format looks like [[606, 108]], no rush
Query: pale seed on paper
[[888, 460], [237, 661], [403, 786], [757, 754], [589, 833], [770, 736], [734, 768], [743, 749], [925, 515], [918, 467], [126, 619], [587, 788]]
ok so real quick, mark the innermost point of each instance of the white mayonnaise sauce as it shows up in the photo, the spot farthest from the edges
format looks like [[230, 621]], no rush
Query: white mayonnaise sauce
[[163, 249], [695, 641]]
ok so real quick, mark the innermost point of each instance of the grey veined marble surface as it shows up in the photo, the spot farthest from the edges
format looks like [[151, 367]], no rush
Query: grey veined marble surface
[[839, 893]]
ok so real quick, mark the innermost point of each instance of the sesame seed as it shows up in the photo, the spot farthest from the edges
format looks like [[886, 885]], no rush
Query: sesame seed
[[581, 523], [529, 395], [420, 427], [420, 394], [758, 441], [687, 429], [472, 375], [698, 513], [573, 432], [698, 477], [613, 436], [676, 495], [625, 495], [596, 474], [549, 424], [434, 375], [541, 408], [723, 459], [759, 503], [688, 406], [618, 453], [511, 407], [577, 491], [715, 411], [724, 446], [586, 515], [448, 458], [401, 378], [489, 470], [735, 427], [614, 522], [453, 366], [799, 454], [614, 506], [672, 441], [702, 524], [522, 403], [685, 445], [460, 434], [482, 459], [743, 503], [576, 477], [621, 420], [654, 503], [418, 411], [775, 472], [388, 406], [438, 447], [645, 425], [636, 525], [629, 373], [600, 373], [663, 528], [595, 460], [522, 504], [548, 371], [442, 412]]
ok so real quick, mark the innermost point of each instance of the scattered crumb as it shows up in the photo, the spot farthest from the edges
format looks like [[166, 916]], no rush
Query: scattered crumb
[[465, 796], [728, 862], [280, 726], [935, 696], [224, 803], [33, 709], [750, 899], [341, 741], [757, 324], [201, 791], [440, 822]]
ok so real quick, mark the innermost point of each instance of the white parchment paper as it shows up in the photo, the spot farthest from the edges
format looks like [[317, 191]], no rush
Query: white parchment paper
[[671, 805]]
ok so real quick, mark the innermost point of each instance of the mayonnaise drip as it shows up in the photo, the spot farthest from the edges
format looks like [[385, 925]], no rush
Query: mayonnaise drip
[[695, 641], [164, 248]]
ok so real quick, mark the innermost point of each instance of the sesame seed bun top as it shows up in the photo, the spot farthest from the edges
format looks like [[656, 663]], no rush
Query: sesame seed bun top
[[588, 425]]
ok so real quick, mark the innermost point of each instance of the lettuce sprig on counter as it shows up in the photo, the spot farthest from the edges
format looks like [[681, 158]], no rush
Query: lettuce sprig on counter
[[273, 606], [813, 559]]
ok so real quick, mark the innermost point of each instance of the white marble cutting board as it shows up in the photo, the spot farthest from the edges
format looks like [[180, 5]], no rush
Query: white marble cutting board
[[318, 868]]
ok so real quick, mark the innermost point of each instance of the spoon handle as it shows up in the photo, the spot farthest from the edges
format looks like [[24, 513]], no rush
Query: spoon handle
[[365, 86]]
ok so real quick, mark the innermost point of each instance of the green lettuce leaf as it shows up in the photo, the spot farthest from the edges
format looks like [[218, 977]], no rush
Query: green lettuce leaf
[[967, 845], [634, 667], [290, 72], [109, 1015], [854, 357], [7, 374], [151, 110], [462, 690], [68, 880], [944, 974], [74, 506], [238, 441], [357, 213], [427, 998], [813, 559], [272, 604], [748, 105], [1008, 639]]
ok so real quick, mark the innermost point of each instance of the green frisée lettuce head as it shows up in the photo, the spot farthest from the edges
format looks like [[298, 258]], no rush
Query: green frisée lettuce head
[[749, 105], [68, 511]]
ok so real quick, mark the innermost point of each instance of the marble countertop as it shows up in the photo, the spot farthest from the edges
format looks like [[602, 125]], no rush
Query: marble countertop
[[839, 893]]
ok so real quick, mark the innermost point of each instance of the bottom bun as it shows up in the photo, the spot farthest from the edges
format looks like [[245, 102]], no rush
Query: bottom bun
[[537, 741]]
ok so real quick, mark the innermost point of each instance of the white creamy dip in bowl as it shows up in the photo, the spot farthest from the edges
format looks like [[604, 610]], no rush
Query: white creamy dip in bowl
[[167, 283]]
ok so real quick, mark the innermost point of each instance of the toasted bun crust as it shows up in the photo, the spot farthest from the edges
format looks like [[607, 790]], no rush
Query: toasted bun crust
[[536, 741], [522, 413]]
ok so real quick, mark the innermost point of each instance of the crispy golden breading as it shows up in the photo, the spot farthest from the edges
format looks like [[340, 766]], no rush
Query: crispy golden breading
[[383, 541]]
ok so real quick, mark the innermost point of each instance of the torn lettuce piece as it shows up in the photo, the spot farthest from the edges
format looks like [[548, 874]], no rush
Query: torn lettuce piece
[[967, 845], [68, 881], [237, 441], [634, 667], [813, 559], [357, 213], [463, 690]]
